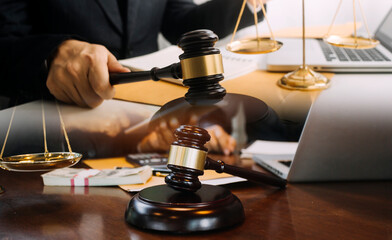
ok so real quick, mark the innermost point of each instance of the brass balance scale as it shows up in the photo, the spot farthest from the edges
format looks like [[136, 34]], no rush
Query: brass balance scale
[[39, 161], [255, 45], [304, 78]]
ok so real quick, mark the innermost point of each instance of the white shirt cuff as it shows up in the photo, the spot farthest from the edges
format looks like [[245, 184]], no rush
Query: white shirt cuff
[[251, 8]]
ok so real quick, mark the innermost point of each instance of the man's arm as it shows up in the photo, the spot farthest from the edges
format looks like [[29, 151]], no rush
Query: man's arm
[[78, 73]]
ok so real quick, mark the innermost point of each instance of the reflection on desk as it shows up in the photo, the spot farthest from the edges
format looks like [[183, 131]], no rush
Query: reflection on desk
[[289, 105], [97, 132], [359, 210]]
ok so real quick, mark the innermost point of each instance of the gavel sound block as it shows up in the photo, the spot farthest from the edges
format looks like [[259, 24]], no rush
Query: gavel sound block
[[184, 205]]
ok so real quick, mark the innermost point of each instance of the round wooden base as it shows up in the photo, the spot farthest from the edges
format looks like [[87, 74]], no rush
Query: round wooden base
[[165, 209]]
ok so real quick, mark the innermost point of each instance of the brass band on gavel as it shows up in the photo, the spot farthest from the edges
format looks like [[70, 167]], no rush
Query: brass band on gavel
[[187, 157], [201, 66]]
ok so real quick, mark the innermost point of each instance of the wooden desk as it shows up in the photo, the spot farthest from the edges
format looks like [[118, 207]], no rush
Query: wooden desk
[[361, 210]]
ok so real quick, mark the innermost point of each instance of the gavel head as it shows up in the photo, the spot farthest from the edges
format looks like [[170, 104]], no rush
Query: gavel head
[[187, 158], [202, 66]]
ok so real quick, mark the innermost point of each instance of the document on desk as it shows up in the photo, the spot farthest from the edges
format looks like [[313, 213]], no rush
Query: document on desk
[[234, 65], [210, 177], [271, 150]]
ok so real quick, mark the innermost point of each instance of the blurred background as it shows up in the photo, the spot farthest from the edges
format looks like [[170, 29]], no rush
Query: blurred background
[[284, 14]]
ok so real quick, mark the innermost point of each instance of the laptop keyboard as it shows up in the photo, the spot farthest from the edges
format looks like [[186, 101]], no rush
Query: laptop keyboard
[[287, 163], [356, 55]]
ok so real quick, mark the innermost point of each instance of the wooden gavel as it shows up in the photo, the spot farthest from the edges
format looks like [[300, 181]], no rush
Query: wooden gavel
[[200, 67], [188, 159]]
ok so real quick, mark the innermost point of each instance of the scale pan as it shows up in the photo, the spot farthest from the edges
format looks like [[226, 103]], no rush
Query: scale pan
[[254, 46], [351, 42], [39, 161]]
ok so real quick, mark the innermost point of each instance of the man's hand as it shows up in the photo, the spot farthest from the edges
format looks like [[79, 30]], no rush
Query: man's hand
[[220, 141], [162, 137], [79, 73]]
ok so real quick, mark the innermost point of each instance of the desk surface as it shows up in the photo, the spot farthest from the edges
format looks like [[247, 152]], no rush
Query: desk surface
[[360, 210], [288, 104]]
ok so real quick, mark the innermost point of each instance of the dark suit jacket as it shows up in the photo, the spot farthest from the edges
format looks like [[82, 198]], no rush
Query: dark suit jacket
[[31, 30]]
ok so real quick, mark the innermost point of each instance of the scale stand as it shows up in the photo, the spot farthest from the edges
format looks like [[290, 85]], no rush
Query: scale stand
[[304, 78]]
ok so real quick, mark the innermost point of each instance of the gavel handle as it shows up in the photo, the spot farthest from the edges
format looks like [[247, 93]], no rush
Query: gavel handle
[[219, 166], [171, 71]]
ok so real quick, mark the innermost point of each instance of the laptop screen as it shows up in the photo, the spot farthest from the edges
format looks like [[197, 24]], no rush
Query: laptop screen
[[384, 32]]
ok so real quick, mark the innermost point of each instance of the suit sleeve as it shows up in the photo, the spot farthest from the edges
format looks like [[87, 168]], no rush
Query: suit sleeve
[[220, 16], [23, 54]]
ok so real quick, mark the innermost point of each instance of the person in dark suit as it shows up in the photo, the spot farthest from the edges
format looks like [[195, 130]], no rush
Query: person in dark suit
[[68, 47]]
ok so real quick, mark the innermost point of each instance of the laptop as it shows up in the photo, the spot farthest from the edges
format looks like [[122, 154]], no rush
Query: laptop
[[347, 134], [324, 57]]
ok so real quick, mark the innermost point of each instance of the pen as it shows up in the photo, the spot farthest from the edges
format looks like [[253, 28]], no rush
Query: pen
[[161, 172]]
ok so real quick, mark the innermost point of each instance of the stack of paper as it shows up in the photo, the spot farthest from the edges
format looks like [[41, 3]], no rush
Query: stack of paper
[[95, 177]]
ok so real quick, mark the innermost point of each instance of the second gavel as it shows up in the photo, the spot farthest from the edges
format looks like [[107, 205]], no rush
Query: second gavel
[[188, 159], [200, 67]]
